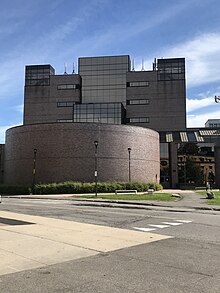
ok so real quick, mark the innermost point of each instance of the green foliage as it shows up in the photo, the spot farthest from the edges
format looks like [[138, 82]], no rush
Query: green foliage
[[14, 190], [215, 201], [85, 187], [78, 187], [188, 148]]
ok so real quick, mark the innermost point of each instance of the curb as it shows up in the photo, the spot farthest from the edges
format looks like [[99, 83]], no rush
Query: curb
[[120, 203]]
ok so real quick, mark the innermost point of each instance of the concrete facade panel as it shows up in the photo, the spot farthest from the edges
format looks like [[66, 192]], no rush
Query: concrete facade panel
[[40, 102], [66, 151]]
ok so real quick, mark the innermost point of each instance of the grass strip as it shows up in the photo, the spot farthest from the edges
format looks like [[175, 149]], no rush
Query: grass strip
[[215, 201], [154, 196]]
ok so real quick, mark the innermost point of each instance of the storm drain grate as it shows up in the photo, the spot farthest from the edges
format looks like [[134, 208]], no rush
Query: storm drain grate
[[13, 222]]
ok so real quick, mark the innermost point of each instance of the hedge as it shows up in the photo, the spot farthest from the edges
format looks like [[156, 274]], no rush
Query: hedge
[[102, 187], [78, 187]]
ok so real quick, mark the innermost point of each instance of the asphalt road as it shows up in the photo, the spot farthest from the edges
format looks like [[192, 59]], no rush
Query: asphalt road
[[187, 262]]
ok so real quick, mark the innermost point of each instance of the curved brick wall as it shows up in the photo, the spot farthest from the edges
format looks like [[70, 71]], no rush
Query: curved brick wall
[[65, 151]]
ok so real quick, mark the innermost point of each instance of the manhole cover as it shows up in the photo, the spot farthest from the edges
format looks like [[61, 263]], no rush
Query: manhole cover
[[13, 222]]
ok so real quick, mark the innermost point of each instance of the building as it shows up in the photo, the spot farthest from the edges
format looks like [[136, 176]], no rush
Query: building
[[157, 99], [104, 89], [212, 123], [111, 103], [66, 152]]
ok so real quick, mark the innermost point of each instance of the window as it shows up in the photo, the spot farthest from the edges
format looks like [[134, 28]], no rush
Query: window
[[111, 113], [137, 83], [38, 75], [67, 86], [139, 120], [171, 69], [138, 102], [65, 104]]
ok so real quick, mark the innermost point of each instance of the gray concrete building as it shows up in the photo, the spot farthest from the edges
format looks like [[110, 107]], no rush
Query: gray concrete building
[[49, 97], [212, 123], [65, 114], [157, 99], [104, 78], [153, 99]]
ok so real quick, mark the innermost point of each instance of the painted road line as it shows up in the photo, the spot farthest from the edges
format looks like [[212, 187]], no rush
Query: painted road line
[[184, 221], [159, 226], [172, 224], [144, 229]]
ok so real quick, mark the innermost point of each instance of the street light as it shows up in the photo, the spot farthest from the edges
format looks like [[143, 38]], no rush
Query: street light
[[217, 99], [129, 164], [34, 170], [96, 143]]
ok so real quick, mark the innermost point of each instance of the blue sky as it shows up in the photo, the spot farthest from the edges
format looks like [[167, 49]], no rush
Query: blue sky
[[60, 31]]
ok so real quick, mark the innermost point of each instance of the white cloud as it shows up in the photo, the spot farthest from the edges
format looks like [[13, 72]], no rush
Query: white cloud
[[200, 120], [202, 58], [196, 104]]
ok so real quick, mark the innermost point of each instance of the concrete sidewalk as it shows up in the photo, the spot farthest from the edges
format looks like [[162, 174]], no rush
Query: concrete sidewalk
[[187, 199], [28, 242]]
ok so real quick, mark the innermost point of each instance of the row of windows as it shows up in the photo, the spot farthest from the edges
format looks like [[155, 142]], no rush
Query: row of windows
[[68, 86], [137, 83], [65, 120], [139, 120], [65, 104], [108, 120], [42, 81], [97, 67], [99, 106], [171, 70], [38, 75], [170, 76], [214, 125], [104, 113], [138, 102], [103, 72]]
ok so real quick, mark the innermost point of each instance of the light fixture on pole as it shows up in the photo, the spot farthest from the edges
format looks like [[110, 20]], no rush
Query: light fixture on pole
[[129, 164], [96, 143], [34, 170], [217, 99]]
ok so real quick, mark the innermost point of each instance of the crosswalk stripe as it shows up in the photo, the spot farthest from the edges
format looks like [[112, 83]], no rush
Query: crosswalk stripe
[[164, 225], [144, 229], [172, 224], [159, 226]]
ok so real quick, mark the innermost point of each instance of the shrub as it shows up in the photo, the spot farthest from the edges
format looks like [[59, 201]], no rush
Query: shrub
[[89, 187]]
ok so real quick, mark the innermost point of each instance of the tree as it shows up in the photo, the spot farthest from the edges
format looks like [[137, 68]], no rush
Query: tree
[[193, 172], [188, 148]]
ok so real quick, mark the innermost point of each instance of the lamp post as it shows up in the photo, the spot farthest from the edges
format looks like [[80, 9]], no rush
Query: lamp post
[[34, 170], [184, 157], [129, 164], [96, 143]]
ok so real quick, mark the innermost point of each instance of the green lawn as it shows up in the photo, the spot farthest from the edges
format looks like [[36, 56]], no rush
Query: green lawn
[[215, 201], [155, 196]]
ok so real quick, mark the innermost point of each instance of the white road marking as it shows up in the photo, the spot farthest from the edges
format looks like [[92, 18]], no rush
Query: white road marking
[[184, 221], [144, 229], [159, 226], [172, 224], [165, 225]]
